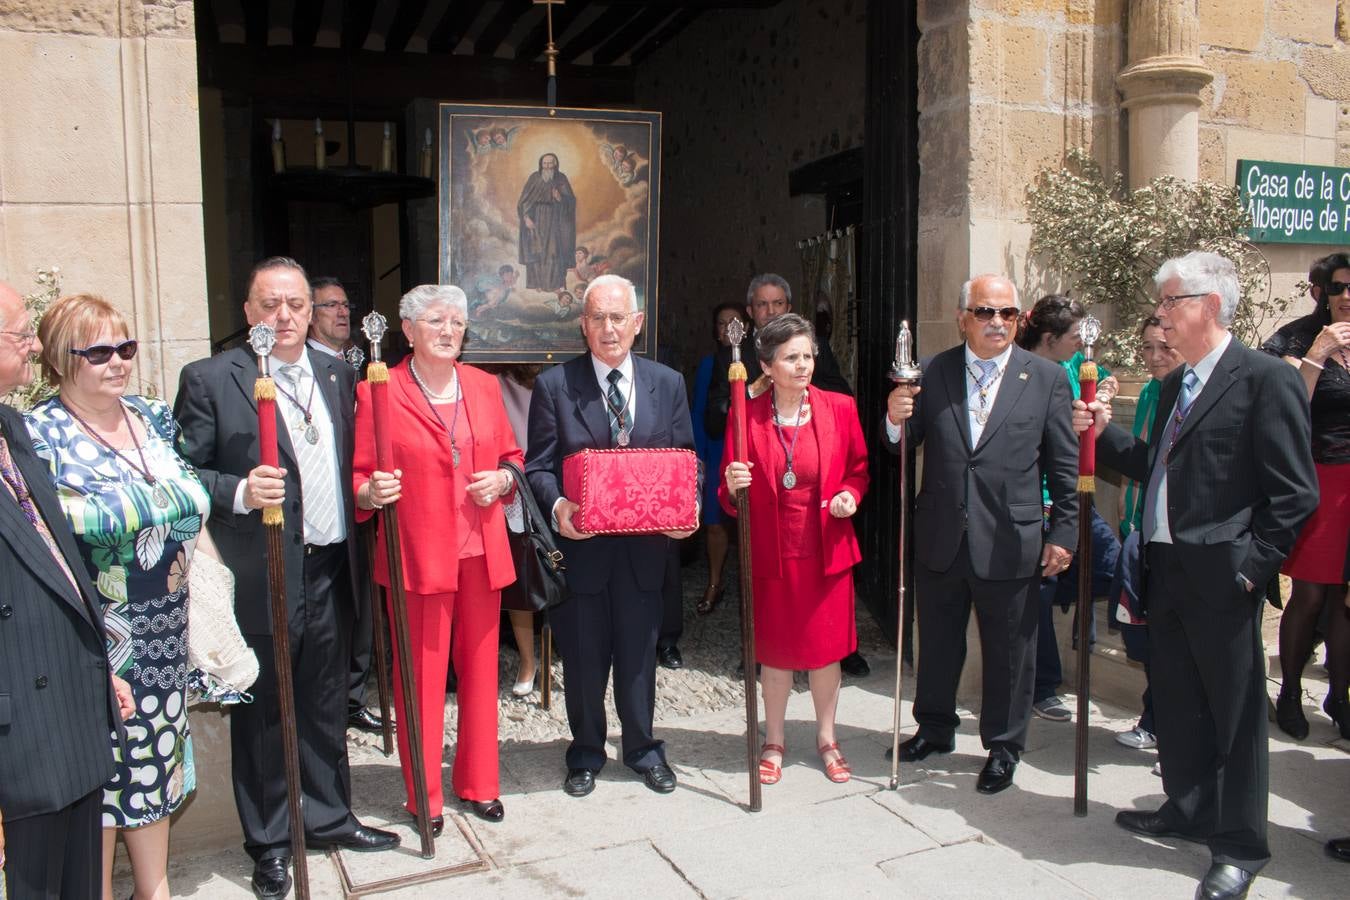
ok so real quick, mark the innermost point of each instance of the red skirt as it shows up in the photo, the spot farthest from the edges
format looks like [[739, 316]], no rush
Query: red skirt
[[804, 620], [1318, 556]]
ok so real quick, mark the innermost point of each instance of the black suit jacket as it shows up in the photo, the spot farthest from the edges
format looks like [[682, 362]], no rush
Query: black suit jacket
[[994, 490], [1240, 475], [57, 707], [218, 418], [567, 414]]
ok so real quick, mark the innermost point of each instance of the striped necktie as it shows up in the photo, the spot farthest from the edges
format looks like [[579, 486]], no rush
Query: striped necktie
[[318, 481]]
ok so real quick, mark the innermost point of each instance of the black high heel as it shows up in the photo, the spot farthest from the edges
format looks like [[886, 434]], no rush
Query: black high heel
[[1339, 711], [487, 810], [711, 598], [1289, 716]]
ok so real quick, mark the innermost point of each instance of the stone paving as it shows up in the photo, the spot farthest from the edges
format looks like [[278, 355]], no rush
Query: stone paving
[[935, 837]]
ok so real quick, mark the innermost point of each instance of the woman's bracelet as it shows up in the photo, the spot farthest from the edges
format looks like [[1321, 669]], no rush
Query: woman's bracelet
[[1311, 363]]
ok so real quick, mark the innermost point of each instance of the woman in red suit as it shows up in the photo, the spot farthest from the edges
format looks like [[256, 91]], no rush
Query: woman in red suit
[[449, 437], [809, 460]]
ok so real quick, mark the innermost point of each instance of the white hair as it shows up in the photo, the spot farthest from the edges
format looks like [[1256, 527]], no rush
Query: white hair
[[414, 304], [604, 281], [964, 302], [1202, 272]]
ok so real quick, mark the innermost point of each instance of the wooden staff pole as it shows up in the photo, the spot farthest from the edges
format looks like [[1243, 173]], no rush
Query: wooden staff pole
[[379, 645], [907, 372], [1088, 329], [262, 338], [736, 377], [377, 375]]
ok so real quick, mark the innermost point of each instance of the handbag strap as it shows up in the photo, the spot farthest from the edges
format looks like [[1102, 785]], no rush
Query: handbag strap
[[535, 523]]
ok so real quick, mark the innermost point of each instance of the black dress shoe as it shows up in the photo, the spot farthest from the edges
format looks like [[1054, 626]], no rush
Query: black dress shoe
[[855, 665], [1151, 824], [670, 657], [917, 748], [1339, 711], [996, 775], [659, 778], [363, 840], [579, 782], [1224, 882], [487, 810], [271, 878], [437, 825], [362, 719], [1289, 716], [1339, 848]]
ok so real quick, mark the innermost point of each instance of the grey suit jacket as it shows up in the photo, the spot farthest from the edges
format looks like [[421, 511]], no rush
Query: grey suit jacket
[[218, 418], [993, 491], [1240, 475], [57, 708]]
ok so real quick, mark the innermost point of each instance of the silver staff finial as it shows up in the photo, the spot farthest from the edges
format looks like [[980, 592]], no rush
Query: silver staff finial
[[262, 338], [1089, 329], [374, 326], [904, 368], [736, 334], [354, 356]]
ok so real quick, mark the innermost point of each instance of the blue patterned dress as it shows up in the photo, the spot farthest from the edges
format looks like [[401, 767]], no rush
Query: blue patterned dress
[[137, 552]]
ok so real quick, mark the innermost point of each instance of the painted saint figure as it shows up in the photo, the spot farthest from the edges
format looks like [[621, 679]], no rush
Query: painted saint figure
[[548, 226]]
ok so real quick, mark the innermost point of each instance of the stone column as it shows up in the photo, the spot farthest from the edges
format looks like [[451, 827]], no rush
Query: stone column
[[1161, 86]]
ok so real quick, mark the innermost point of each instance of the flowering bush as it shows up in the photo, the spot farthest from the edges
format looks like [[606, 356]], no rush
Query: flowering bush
[[48, 289], [1106, 242]]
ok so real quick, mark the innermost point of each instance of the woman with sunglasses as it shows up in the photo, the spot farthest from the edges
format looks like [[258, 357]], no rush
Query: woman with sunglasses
[[136, 509], [1319, 346]]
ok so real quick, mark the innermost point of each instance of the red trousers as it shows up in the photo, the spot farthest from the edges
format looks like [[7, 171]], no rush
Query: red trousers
[[462, 625]]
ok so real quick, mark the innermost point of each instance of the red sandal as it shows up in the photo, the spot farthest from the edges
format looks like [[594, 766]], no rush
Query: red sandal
[[838, 769], [769, 771]]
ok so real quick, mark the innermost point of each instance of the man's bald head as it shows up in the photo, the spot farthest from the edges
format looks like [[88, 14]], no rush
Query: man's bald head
[[11, 302], [16, 345]]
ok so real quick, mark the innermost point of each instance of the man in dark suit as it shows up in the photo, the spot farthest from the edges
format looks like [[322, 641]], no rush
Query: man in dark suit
[[315, 436], [768, 297], [59, 703], [605, 398], [993, 419], [1229, 480]]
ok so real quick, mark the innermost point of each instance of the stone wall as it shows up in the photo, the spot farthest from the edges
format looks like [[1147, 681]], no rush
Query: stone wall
[[1281, 92], [100, 165], [747, 96]]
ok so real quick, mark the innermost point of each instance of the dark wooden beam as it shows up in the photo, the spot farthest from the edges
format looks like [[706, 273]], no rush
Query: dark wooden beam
[[700, 5], [663, 35], [281, 81], [255, 23], [563, 16], [450, 30], [204, 22], [305, 21], [608, 22], [628, 37], [500, 25], [356, 18], [404, 26]]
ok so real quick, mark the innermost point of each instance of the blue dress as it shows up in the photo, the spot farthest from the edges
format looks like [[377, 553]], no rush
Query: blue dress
[[136, 541], [709, 449]]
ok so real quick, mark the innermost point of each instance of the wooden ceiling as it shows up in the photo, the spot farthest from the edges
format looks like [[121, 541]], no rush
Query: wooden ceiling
[[588, 32]]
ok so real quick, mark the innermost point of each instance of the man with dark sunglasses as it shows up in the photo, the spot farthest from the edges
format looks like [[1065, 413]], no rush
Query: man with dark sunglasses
[[993, 419]]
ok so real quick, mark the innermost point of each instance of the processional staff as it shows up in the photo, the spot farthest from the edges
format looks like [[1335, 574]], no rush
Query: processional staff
[[904, 371], [736, 378], [1089, 330], [377, 376], [262, 338]]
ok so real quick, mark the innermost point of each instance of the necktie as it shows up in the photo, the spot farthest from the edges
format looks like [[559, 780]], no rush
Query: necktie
[[14, 481], [1190, 389], [317, 479], [987, 369], [617, 415]]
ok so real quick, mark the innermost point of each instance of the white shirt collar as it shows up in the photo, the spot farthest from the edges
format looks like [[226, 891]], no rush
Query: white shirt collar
[[303, 362], [323, 348], [1001, 360], [602, 371], [1205, 367]]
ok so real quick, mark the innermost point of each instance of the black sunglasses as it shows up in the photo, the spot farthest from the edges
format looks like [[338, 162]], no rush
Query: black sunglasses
[[985, 313], [99, 354], [1336, 288]]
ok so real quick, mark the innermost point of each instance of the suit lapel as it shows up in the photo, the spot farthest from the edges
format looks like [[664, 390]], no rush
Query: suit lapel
[[339, 412], [822, 420], [762, 435], [1162, 417], [589, 404], [1015, 378], [645, 387], [1220, 380], [954, 377]]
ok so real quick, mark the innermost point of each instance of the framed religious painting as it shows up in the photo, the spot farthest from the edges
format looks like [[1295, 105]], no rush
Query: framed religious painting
[[534, 204]]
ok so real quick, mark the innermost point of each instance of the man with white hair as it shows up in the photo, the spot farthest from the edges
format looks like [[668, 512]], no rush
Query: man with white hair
[[1229, 480], [607, 398]]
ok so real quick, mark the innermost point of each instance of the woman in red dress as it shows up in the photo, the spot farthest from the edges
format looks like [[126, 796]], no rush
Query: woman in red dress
[[809, 465], [449, 437]]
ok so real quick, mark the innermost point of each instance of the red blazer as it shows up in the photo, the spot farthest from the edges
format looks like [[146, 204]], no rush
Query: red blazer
[[843, 465], [421, 448]]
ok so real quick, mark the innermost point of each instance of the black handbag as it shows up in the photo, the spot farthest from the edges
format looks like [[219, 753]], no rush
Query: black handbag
[[540, 583]]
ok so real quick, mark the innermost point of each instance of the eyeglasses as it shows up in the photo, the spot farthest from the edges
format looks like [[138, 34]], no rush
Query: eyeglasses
[[598, 320], [335, 304], [986, 313], [99, 354], [25, 338], [1336, 288], [438, 323], [1169, 301]]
